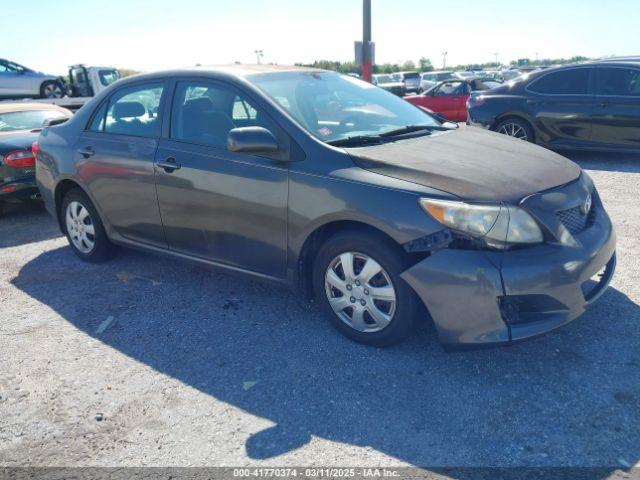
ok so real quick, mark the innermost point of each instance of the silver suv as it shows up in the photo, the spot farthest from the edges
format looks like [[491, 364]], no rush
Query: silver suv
[[17, 81]]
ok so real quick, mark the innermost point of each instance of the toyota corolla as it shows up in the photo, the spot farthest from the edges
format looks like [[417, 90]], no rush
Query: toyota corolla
[[340, 189]]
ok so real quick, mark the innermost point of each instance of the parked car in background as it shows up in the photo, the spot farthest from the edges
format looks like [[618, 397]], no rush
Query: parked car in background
[[449, 98], [430, 79], [466, 74], [388, 83], [20, 125], [511, 74], [17, 81], [493, 75], [411, 81], [381, 212], [590, 106]]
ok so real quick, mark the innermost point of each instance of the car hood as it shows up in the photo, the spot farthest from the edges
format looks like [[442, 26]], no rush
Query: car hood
[[470, 163]]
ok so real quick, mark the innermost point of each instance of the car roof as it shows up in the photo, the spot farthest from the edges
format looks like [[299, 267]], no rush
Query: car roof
[[626, 58], [6, 107], [567, 66], [235, 71]]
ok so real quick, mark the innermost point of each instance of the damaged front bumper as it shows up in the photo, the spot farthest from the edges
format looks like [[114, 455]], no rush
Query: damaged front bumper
[[478, 298]]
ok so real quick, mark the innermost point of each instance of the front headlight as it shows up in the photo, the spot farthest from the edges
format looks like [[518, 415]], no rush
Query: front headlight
[[499, 226]]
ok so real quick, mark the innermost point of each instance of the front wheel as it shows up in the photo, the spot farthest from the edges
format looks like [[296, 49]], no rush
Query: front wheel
[[517, 128], [357, 280], [84, 229]]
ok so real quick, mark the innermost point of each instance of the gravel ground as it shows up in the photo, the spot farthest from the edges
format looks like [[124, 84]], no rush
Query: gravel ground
[[149, 361]]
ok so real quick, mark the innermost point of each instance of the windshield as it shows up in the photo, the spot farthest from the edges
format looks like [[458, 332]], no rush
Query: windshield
[[29, 120], [331, 106]]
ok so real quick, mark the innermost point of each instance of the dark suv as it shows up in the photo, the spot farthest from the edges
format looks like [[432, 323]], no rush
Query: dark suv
[[326, 183], [590, 106]]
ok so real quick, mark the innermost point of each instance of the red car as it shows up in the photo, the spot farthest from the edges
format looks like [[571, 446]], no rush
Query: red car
[[449, 98]]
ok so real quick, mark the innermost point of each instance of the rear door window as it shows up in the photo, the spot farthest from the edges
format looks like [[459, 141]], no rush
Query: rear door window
[[619, 82], [135, 111], [565, 82]]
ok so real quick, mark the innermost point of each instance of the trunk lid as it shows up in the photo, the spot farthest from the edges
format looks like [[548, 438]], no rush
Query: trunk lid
[[9, 143]]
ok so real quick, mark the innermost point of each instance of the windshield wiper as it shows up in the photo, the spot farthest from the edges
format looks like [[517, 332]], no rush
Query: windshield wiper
[[412, 129], [356, 140]]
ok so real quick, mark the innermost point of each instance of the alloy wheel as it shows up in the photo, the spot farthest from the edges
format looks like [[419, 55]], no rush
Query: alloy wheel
[[52, 91], [360, 292], [513, 130], [80, 227]]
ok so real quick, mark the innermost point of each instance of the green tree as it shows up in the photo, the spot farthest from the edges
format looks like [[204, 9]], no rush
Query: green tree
[[408, 65], [425, 65], [126, 72]]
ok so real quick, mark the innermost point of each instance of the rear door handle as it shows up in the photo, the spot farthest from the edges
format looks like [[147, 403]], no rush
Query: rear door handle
[[86, 152], [169, 165]]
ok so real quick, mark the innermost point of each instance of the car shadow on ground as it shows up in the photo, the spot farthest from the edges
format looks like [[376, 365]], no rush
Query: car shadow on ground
[[608, 162], [16, 224], [569, 398]]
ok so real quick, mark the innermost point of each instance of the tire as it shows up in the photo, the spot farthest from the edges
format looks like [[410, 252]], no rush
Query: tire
[[91, 247], [398, 315], [51, 89], [517, 128]]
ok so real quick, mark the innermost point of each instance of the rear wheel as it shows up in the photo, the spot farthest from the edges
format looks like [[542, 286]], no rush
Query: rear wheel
[[51, 89], [517, 128], [357, 281], [84, 229]]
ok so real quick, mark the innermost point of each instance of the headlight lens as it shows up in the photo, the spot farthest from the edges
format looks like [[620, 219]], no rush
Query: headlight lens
[[499, 226]]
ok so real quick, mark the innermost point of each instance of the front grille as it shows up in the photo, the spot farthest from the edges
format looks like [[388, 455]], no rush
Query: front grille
[[574, 220]]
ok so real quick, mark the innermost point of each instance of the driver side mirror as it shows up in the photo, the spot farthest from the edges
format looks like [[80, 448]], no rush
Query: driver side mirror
[[256, 140]]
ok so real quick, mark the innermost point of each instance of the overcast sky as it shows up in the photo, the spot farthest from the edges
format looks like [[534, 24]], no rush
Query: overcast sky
[[155, 34]]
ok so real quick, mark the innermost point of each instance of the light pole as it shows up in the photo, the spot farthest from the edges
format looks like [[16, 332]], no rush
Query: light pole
[[259, 55], [496, 55], [367, 60], [444, 59]]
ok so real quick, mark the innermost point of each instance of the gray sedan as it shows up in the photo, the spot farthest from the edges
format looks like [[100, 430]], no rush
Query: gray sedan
[[17, 81], [339, 189]]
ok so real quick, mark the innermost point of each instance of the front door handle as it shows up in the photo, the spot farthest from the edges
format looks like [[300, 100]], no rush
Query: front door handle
[[86, 152], [169, 165]]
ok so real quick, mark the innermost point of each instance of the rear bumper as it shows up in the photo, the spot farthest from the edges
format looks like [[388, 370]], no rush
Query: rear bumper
[[20, 189], [480, 298]]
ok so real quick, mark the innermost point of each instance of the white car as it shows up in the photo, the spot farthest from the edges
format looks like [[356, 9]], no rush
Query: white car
[[17, 81], [430, 79], [411, 81]]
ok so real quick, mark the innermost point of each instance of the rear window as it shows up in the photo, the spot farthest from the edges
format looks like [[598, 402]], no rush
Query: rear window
[[565, 82], [411, 75], [107, 77], [29, 120]]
